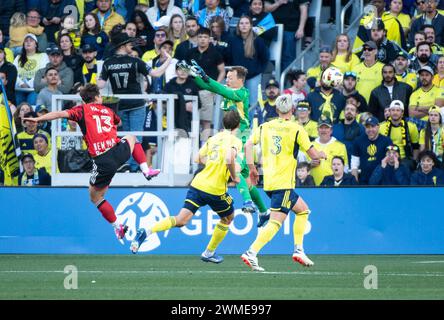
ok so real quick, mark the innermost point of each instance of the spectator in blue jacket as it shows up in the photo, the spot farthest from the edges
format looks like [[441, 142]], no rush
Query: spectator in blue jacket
[[339, 177], [428, 174], [390, 172]]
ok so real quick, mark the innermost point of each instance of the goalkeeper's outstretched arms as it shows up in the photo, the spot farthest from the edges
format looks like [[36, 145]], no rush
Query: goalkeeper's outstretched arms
[[49, 116]]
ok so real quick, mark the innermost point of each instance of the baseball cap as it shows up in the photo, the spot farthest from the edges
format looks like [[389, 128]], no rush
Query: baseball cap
[[392, 147], [325, 49], [350, 74], [41, 108], [371, 121], [428, 69], [323, 120], [303, 105], [121, 39], [435, 109], [54, 50], [87, 47], [171, 43], [30, 35], [272, 83], [40, 135], [162, 22], [401, 53], [370, 44], [27, 155], [397, 104]]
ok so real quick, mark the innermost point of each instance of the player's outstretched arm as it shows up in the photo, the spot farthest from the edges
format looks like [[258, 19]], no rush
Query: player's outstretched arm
[[49, 116], [161, 70], [216, 87]]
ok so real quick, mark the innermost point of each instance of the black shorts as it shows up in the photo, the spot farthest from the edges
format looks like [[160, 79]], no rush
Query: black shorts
[[282, 200], [222, 205], [105, 166]]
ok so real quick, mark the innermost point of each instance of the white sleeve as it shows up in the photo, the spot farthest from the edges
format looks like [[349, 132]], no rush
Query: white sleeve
[[355, 162]]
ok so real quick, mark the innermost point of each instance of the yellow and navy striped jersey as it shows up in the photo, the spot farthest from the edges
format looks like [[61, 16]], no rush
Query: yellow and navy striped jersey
[[214, 177], [280, 141]]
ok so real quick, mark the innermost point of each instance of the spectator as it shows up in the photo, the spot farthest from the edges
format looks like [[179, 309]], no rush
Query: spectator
[[342, 56], [176, 30], [391, 172], [51, 81], [389, 90], [438, 79], [145, 31], [396, 10], [44, 125], [331, 147], [213, 65], [293, 15], [212, 8], [314, 73], [428, 173], [221, 39], [70, 57], [68, 26], [131, 30], [298, 80], [387, 50], [108, 18], [348, 130], [369, 71], [303, 176], [27, 64], [66, 75], [32, 176], [368, 151], [303, 112], [424, 57], [10, 71], [338, 178], [26, 137], [402, 71], [160, 36], [429, 32], [43, 154], [250, 52], [52, 12], [326, 101], [4, 80], [158, 84], [162, 8], [9, 55], [263, 22], [33, 19], [266, 109], [7, 9], [420, 36], [92, 34], [425, 97], [431, 138], [190, 7], [349, 90], [89, 68], [18, 30], [191, 28], [19, 114], [403, 133], [430, 15]]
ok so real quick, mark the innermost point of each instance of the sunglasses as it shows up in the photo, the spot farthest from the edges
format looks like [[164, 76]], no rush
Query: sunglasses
[[350, 73], [160, 35], [368, 49], [302, 109], [392, 148]]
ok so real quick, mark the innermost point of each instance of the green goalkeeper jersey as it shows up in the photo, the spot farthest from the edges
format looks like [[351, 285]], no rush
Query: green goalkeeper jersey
[[234, 99]]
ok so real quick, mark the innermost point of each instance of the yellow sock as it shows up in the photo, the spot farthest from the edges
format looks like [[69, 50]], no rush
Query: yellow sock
[[266, 235], [299, 227], [219, 233], [164, 224]]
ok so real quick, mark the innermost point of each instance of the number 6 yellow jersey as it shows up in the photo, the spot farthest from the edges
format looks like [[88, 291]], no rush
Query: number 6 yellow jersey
[[280, 141]]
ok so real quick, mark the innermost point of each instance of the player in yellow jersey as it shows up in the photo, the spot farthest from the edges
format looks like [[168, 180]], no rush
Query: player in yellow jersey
[[280, 140], [209, 187]]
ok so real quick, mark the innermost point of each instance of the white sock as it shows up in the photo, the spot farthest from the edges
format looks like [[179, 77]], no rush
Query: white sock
[[299, 247], [251, 252], [144, 168], [208, 253], [115, 224]]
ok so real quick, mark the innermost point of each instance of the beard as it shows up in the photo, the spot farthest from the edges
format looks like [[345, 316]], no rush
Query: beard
[[423, 58], [325, 87], [349, 117]]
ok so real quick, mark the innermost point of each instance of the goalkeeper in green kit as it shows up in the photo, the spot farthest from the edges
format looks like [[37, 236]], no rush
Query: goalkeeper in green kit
[[236, 97]]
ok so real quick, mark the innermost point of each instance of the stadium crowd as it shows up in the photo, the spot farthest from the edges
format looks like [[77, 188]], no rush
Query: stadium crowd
[[381, 126]]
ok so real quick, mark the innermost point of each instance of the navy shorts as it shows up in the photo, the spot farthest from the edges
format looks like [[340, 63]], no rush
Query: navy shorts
[[282, 200], [222, 205]]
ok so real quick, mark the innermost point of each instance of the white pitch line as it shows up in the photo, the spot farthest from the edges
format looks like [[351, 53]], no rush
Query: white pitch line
[[307, 273], [426, 262]]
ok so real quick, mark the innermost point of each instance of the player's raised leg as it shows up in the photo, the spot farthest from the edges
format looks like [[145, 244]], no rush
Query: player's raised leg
[[140, 157], [302, 212], [97, 197]]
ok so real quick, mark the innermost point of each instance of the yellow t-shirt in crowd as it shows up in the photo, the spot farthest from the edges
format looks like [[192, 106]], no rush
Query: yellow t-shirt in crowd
[[421, 98], [344, 66], [438, 81], [408, 77], [368, 78]]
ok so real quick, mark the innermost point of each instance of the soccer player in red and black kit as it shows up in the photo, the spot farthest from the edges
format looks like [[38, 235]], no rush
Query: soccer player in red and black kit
[[99, 127]]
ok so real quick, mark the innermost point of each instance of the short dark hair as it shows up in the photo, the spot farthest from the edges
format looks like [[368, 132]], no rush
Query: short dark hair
[[429, 26], [49, 69], [423, 43], [240, 71], [89, 92], [231, 120], [390, 66], [191, 18], [203, 30], [339, 158], [430, 154], [304, 164], [294, 75]]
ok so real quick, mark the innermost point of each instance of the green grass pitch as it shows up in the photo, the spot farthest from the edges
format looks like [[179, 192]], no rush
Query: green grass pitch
[[151, 277]]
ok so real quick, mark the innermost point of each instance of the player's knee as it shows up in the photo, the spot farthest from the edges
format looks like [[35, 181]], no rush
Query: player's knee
[[228, 219], [307, 211]]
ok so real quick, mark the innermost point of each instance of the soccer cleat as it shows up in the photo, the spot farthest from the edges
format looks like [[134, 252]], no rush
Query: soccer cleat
[[121, 231], [152, 173], [263, 219], [251, 261], [299, 256], [249, 207], [138, 240], [214, 258]]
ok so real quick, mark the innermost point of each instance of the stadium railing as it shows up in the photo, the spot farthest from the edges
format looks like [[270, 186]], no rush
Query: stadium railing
[[276, 50], [175, 162]]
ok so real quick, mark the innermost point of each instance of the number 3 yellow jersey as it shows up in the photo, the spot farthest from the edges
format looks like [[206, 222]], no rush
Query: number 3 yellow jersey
[[280, 141], [214, 177]]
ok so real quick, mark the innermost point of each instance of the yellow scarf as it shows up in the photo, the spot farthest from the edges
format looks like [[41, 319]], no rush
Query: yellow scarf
[[327, 108], [85, 72]]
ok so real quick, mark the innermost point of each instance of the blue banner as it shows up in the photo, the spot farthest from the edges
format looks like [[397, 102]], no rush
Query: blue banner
[[343, 221]]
